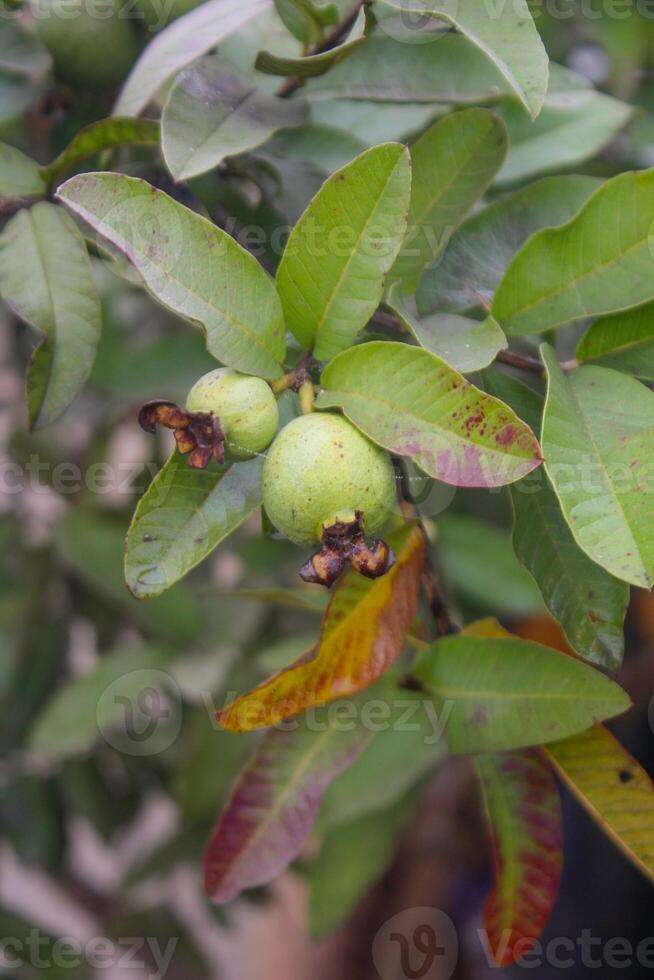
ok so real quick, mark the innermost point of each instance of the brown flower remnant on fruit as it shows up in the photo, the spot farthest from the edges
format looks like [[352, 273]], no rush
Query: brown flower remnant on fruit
[[343, 542], [198, 433]]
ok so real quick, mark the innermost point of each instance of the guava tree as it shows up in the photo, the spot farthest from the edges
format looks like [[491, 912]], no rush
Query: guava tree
[[420, 258]]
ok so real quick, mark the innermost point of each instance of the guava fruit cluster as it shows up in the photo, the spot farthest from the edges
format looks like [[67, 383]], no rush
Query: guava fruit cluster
[[320, 472]]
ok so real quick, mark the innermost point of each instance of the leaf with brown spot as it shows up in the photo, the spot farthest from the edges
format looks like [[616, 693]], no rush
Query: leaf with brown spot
[[613, 788], [524, 811], [363, 631], [413, 404]]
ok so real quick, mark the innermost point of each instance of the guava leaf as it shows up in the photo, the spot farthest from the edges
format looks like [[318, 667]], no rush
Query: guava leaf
[[184, 514], [20, 176], [45, 276], [314, 64], [505, 693], [576, 121], [103, 135], [409, 401], [213, 112], [464, 344], [274, 803], [624, 341], [507, 35], [479, 252], [598, 440], [524, 812], [21, 53], [190, 265], [448, 69], [363, 632], [614, 789], [408, 744], [599, 262], [331, 275], [588, 603], [181, 43], [453, 163]]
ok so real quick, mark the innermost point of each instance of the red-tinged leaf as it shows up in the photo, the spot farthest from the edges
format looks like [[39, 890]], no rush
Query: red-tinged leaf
[[524, 810], [274, 803], [413, 404], [363, 631]]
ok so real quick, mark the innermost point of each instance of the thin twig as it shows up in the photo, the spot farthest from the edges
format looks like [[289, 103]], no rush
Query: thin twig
[[291, 85], [521, 361]]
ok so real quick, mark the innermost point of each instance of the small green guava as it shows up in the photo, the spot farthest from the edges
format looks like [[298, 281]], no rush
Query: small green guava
[[246, 407], [321, 469]]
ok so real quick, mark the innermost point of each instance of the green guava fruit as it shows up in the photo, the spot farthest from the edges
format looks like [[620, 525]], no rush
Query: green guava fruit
[[157, 14], [91, 41], [246, 407], [319, 470]]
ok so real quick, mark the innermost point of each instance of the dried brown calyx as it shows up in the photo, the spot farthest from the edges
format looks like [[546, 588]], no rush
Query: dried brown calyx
[[199, 434], [344, 542]]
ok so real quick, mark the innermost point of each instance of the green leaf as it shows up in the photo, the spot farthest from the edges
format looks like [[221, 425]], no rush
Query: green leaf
[[77, 714], [574, 124], [314, 64], [449, 70], [408, 743], [588, 603], [524, 812], [16, 96], [453, 163], [183, 515], [479, 252], [213, 112], [306, 19], [351, 859], [190, 265], [467, 548], [274, 802], [20, 176], [599, 262], [92, 548], [465, 345], [45, 276], [331, 275], [624, 341], [21, 53], [506, 693], [413, 404], [598, 440], [103, 135], [183, 42], [507, 35]]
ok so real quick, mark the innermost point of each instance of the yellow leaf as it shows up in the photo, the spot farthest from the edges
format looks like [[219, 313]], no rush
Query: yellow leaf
[[363, 632], [612, 786], [487, 629]]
